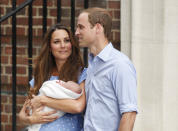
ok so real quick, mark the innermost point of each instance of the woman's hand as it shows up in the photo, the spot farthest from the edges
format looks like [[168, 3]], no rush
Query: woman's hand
[[36, 102], [24, 113], [39, 117]]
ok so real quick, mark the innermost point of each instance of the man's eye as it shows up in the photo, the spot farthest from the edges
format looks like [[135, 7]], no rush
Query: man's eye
[[81, 27]]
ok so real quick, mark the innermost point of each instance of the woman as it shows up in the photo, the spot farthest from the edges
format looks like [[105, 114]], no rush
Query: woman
[[59, 58]]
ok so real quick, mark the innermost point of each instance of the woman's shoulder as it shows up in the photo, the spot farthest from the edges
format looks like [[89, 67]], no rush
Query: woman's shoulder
[[84, 70], [82, 75], [32, 81]]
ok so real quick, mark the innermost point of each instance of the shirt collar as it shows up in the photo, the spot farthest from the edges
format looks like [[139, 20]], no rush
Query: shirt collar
[[105, 53]]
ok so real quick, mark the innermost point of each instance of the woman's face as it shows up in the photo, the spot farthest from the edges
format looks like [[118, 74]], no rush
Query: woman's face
[[60, 45]]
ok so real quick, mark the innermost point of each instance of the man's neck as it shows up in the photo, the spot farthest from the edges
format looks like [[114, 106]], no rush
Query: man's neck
[[98, 46]]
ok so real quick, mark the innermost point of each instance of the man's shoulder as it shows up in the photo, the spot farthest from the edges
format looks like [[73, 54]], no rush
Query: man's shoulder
[[120, 61], [118, 56]]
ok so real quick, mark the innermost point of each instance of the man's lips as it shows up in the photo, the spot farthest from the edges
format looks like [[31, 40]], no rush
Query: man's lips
[[79, 39]]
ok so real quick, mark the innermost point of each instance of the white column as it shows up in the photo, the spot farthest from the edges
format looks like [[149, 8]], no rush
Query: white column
[[153, 46], [126, 23], [170, 77]]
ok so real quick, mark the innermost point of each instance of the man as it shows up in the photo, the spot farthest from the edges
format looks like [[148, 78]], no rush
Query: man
[[110, 85]]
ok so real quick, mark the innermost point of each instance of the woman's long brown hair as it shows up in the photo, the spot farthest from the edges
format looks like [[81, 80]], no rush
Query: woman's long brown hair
[[45, 62]]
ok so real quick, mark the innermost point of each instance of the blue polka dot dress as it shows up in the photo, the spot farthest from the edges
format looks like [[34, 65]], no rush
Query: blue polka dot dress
[[68, 122]]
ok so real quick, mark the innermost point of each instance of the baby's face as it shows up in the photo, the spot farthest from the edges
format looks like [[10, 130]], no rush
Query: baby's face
[[67, 84], [70, 84]]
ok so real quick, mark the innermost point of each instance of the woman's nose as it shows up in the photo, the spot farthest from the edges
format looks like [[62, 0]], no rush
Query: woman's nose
[[62, 44]]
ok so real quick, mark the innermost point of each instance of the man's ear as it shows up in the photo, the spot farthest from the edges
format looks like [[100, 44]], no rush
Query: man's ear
[[99, 28]]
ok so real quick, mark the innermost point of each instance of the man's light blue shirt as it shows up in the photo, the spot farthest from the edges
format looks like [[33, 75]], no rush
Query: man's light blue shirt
[[110, 90]]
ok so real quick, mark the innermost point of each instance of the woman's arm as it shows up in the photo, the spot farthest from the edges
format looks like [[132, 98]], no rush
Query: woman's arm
[[66, 105]]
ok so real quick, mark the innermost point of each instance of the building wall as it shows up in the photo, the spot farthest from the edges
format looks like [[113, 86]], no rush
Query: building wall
[[150, 39], [22, 45]]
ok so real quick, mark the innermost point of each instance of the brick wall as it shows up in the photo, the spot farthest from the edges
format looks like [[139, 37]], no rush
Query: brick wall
[[22, 44]]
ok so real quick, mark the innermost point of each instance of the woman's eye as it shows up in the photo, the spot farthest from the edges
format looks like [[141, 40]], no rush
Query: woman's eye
[[55, 42], [67, 40]]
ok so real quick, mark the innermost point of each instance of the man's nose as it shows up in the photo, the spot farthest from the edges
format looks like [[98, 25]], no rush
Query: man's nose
[[77, 32]]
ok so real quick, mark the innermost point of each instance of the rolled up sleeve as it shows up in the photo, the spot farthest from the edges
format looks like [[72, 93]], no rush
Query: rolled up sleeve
[[125, 85]]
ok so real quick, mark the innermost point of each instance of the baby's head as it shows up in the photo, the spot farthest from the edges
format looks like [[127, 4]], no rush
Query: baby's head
[[70, 84]]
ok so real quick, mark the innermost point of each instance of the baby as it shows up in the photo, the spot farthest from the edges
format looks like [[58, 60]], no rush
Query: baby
[[70, 85], [59, 90]]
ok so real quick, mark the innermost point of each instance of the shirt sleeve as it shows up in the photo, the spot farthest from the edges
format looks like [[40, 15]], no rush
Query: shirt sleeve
[[82, 76], [125, 86]]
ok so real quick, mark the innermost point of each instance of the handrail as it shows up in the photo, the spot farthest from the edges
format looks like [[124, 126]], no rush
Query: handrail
[[16, 10], [14, 63]]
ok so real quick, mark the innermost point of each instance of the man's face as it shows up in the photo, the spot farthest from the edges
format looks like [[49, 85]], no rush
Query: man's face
[[85, 32]]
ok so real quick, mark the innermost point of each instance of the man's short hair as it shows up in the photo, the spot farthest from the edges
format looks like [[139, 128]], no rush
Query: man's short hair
[[101, 16]]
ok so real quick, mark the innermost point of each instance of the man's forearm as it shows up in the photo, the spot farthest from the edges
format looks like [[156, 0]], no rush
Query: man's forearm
[[127, 121]]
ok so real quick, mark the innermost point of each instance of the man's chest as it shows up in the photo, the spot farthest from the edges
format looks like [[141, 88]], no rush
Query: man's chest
[[99, 82]]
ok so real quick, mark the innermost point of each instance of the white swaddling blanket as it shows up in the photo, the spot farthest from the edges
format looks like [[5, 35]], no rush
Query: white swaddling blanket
[[54, 90]]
